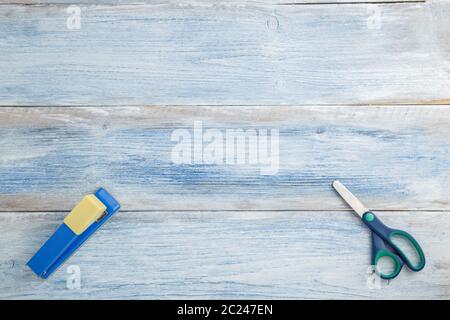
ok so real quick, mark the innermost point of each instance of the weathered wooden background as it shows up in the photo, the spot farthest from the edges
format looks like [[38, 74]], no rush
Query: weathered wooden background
[[359, 91]]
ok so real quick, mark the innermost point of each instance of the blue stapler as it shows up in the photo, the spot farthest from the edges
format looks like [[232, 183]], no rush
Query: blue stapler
[[87, 216]]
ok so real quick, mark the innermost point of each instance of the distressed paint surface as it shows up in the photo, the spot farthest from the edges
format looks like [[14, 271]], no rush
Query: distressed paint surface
[[192, 53], [225, 255], [216, 55], [200, 2], [385, 154]]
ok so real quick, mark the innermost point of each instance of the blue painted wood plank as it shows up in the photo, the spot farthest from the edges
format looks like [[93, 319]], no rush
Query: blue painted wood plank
[[50, 157], [232, 255], [196, 2], [215, 55]]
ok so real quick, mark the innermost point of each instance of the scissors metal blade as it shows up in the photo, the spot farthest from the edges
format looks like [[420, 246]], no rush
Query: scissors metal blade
[[352, 201]]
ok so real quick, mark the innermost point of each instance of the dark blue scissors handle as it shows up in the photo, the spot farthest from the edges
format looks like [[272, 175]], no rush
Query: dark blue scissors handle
[[384, 235], [380, 250]]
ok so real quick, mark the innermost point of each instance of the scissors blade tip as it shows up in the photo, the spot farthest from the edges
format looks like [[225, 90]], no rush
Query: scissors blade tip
[[336, 183], [351, 200]]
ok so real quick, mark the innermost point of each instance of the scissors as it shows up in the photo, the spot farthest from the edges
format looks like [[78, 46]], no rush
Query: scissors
[[385, 241]]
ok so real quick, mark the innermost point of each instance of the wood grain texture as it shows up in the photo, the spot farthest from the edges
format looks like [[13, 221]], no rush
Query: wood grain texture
[[213, 59], [225, 255], [226, 54], [201, 2], [51, 157]]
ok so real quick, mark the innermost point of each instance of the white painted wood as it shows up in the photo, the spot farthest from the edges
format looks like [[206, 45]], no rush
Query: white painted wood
[[51, 157], [168, 255], [226, 54], [196, 53], [202, 2]]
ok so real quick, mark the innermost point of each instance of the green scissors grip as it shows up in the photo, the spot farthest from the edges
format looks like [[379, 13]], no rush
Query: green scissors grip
[[421, 262], [388, 235]]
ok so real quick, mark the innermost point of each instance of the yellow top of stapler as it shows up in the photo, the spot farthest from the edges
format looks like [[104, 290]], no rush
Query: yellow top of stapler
[[86, 212]]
